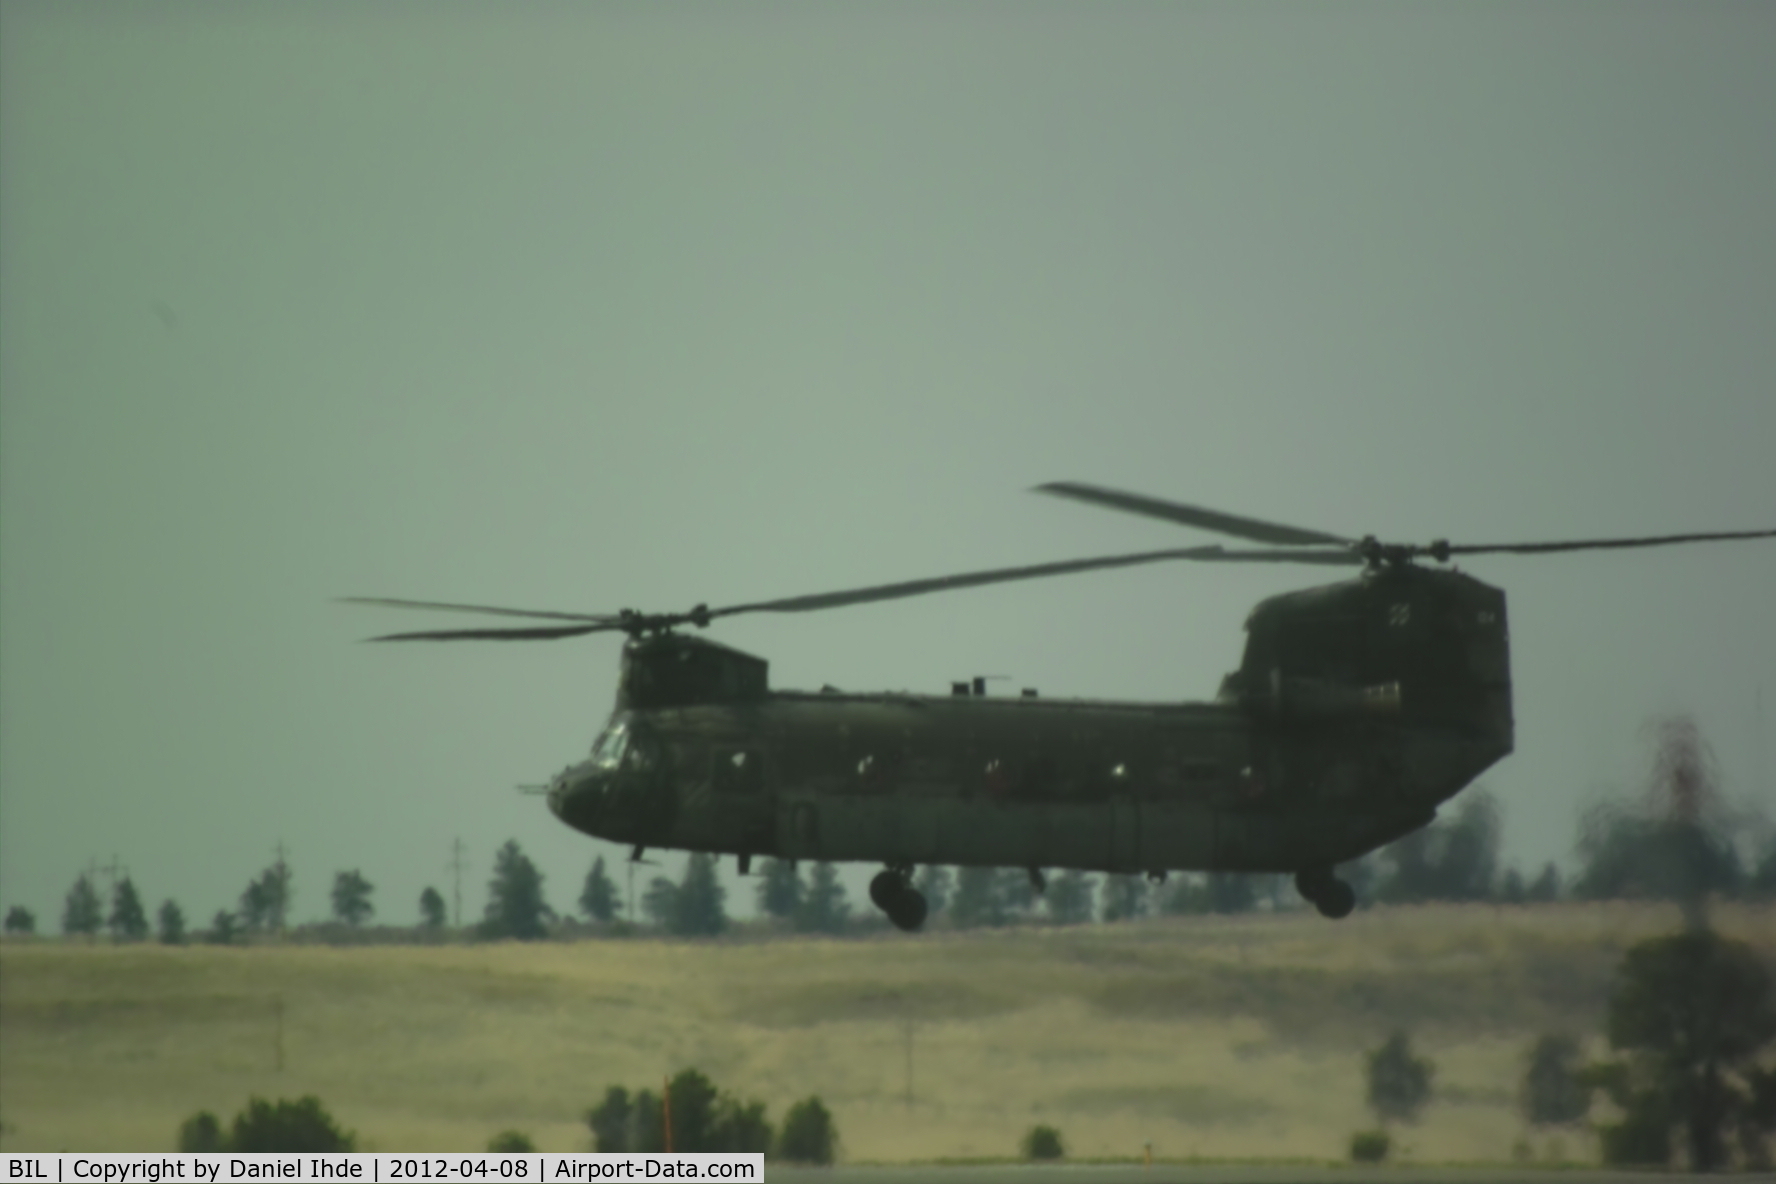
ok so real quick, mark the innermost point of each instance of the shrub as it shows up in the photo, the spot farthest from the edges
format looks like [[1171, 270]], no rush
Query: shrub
[[21, 920], [200, 1134], [1042, 1142], [1553, 1094], [1399, 1083], [510, 1142], [808, 1134], [302, 1125], [1370, 1146]]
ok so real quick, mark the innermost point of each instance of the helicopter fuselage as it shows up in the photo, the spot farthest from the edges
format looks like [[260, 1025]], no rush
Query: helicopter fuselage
[[1358, 708]]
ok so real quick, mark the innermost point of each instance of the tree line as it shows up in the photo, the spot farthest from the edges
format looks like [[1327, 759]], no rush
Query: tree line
[[1676, 841]]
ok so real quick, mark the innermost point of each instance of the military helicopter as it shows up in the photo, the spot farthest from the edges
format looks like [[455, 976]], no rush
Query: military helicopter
[[1357, 709]]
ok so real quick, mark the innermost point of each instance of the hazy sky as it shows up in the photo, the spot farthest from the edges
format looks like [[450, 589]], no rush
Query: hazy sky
[[585, 307]]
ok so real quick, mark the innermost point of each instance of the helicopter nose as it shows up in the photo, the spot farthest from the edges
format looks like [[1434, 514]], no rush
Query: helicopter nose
[[576, 796]]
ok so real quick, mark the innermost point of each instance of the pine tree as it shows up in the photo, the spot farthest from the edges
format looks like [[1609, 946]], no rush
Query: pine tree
[[172, 924], [660, 903], [351, 898], [80, 911], [266, 902], [701, 899], [1070, 897], [780, 888], [933, 882], [979, 899], [598, 899], [824, 909], [1124, 898], [127, 921], [431, 909], [515, 905], [222, 929]]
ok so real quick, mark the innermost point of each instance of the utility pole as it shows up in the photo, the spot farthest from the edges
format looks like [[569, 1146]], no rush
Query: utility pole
[[113, 871], [456, 870], [281, 902]]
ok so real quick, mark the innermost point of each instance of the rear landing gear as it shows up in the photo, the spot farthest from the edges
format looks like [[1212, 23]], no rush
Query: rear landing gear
[[1326, 892], [892, 892]]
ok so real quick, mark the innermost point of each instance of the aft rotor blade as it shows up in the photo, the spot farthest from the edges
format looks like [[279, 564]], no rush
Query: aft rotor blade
[[543, 633], [1607, 544], [1152, 507], [601, 618], [802, 604]]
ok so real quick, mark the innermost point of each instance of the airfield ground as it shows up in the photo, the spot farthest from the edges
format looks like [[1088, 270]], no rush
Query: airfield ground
[[1208, 1038]]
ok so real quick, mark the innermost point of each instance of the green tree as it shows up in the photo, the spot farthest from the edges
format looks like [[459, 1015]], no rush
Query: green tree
[[127, 921], [660, 903], [222, 929], [934, 883], [172, 924], [701, 902], [779, 889], [610, 1122], [1399, 1082], [1691, 1015], [1554, 1092], [808, 1134], [824, 909], [515, 904], [1452, 860], [694, 1099], [21, 921], [431, 909], [1124, 898], [1069, 897], [1677, 843], [266, 902], [510, 1143], [598, 896], [80, 911], [1762, 885], [351, 897], [979, 899], [201, 1134], [1546, 888], [255, 907], [1042, 1142], [286, 1126]]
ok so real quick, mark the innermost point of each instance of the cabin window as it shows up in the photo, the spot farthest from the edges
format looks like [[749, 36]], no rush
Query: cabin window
[[607, 750], [739, 771]]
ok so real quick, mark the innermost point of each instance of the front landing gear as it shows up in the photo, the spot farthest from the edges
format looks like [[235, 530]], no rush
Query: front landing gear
[[1326, 892], [892, 892]]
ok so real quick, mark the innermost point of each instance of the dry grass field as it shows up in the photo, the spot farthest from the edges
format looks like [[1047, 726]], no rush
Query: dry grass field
[[1206, 1037]]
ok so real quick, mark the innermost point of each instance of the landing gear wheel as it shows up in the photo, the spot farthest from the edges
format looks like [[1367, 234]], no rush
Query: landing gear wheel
[[908, 911], [891, 892], [1326, 892], [885, 888], [1337, 901]]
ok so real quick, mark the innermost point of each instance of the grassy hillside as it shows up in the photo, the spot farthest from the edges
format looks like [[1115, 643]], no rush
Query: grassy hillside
[[1202, 1036]]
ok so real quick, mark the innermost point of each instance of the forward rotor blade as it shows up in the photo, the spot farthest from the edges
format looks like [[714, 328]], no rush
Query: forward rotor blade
[[601, 618], [1607, 544], [1152, 507], [544, 633], [802, 604]]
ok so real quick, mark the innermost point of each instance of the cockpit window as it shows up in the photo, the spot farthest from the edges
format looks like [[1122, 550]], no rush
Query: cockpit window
[[607, 752]]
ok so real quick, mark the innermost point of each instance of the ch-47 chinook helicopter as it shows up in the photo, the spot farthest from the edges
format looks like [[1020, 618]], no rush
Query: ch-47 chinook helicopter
[[1357, 709]]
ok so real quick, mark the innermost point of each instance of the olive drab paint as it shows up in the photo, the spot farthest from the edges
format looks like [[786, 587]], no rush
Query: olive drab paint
[[1358, 708]]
